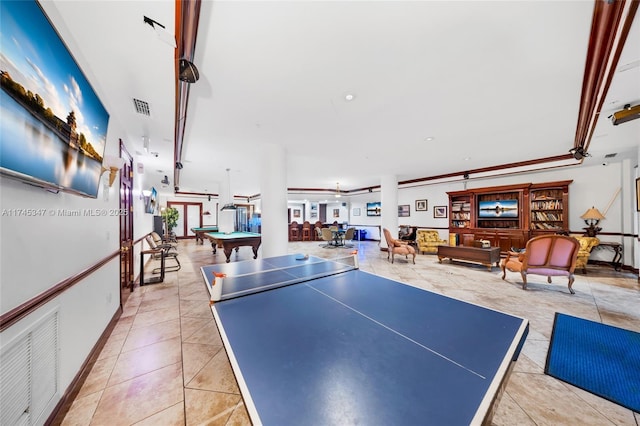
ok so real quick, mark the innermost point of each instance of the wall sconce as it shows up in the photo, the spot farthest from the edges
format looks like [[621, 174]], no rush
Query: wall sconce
[[112, 165], [591, 218]]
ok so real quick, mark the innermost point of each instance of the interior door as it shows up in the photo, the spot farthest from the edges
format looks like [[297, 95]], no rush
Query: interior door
[[189, 216], [126, 223]]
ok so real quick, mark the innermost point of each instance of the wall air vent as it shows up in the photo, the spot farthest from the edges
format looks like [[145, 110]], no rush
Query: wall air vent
[[611, 155], [142, 107]]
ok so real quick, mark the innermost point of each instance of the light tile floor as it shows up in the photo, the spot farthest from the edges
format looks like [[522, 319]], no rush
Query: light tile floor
[[164, 363]]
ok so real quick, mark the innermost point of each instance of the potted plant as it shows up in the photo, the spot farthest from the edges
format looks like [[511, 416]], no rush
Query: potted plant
[[170, 217]]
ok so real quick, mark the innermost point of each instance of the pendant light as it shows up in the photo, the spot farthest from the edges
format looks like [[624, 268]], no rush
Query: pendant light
[[229, 206]]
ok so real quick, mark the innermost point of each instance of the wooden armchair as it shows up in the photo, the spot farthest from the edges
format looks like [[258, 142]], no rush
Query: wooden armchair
[[550, 255], [398, 247]]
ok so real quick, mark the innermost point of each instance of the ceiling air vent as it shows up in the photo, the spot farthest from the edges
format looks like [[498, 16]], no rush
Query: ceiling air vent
[[141, 107], [610, 155]]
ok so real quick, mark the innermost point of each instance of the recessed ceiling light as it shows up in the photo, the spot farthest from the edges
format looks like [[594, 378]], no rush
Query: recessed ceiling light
[[467, 158], [349, 97], [429, 138]]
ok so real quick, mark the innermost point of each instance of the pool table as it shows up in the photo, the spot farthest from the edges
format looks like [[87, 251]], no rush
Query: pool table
[[201, 231], [234, 240]]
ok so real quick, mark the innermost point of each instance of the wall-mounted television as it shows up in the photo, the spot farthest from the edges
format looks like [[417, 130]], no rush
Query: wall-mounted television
[[53, 126], [374, 209], [498, 209]]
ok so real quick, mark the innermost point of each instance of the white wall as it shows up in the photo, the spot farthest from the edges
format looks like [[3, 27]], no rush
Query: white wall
[[37, 252]]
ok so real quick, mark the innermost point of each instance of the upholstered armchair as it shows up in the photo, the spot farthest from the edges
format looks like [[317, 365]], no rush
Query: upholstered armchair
[[586, 245], [428, 241], [398, 247], [550, 255]]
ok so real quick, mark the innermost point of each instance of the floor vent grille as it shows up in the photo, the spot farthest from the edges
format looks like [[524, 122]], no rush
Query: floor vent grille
[[29, 374]]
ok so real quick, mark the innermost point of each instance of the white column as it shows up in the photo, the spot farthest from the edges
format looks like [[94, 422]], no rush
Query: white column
[[273, 192], [389, 200], [226, 218]]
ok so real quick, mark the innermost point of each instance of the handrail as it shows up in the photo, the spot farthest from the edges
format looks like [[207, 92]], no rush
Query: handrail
[[14, 315]]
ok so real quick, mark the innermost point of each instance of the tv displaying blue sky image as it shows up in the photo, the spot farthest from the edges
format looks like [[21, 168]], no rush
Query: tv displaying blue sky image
[[53, 125], [498, 209]]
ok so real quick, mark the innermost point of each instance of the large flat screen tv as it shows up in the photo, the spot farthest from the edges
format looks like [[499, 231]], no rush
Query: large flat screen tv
[[499, 209], [53, 126]]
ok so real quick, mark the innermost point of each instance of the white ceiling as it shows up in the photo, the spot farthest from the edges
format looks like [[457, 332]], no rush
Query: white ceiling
[[492, 82]]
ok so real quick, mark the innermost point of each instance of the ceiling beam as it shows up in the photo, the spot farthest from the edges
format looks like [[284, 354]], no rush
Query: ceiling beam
[[187, 19], [610, 26]]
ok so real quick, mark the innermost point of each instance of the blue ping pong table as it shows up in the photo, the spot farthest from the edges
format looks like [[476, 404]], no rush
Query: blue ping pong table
[[350, 347]]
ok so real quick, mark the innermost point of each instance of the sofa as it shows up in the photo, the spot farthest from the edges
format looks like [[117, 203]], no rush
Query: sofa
[[428, 241], [586, 245]]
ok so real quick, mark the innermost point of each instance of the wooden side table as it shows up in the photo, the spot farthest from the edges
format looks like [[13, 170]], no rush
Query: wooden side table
[[153, 280], [616, 262]]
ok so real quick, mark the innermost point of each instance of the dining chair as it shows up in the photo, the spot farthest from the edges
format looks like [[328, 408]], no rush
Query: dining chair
[[348, 236], [327, 236]]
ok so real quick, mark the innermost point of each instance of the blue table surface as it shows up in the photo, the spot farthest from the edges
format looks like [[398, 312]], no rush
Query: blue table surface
[[356, 348]]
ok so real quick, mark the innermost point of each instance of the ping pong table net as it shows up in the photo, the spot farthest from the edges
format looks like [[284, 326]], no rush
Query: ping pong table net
[[225, 287]]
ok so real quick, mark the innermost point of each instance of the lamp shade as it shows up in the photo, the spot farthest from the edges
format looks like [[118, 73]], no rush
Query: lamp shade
[[593, 214]]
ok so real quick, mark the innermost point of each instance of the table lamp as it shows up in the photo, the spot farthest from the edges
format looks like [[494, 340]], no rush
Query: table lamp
[[592, 217]]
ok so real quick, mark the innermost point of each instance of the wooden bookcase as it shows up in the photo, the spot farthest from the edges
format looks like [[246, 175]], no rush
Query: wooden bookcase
[[522, 211], [549, 209], [460, 208]]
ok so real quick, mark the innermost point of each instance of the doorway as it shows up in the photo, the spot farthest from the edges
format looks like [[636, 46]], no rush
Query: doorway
[[189, 216], [126, 223]]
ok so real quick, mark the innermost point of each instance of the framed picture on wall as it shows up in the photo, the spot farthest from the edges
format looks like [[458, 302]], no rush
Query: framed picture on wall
[[421, 205], [296, 213], [356, 211], [336, 212], [440, 211], [404, 210], [374, 209]]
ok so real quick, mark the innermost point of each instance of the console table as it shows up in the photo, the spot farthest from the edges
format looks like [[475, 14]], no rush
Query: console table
[[152, 280], [485, 256], [616, 262]]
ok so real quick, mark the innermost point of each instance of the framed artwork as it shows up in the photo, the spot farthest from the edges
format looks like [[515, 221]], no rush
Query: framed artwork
[[440, 211], [50, 137], [336, 212], [638, 194], [421, 205], [296, 213], [374, 209], [314, 214], [404, 210], [356, 211]]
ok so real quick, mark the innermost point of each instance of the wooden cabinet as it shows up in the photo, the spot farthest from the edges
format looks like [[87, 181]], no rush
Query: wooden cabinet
[[505, 239], [508, 216]]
